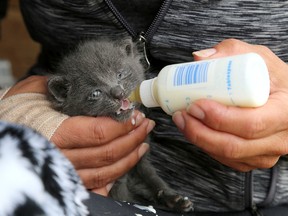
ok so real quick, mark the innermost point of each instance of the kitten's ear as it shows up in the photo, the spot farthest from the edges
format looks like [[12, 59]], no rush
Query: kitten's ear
[[128, 46], [58, 87]]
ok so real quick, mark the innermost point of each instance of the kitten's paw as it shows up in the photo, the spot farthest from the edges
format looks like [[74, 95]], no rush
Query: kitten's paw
[[175, 201]]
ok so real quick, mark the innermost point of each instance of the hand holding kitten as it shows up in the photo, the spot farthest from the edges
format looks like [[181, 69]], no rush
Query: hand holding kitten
[[95, 145]]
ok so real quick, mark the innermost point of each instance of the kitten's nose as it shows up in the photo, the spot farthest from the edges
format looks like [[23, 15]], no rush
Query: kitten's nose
[[117, 92]]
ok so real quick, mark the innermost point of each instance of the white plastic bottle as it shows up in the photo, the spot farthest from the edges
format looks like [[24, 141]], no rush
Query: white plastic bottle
[[241, 80]]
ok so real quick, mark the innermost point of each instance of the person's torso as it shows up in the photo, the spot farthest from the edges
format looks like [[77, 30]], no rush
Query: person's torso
[[180, 28]]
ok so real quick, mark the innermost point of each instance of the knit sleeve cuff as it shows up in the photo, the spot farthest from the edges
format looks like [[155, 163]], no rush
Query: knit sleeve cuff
[[32, 110]]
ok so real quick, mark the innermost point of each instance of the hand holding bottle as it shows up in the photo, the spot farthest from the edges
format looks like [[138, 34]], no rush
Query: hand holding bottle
[[242, 138]]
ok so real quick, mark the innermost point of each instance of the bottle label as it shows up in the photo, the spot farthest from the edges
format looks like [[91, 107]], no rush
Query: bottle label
[[190, 74]]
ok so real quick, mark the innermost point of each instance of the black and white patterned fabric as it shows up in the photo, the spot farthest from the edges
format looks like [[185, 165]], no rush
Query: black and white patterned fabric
[[36, 179]]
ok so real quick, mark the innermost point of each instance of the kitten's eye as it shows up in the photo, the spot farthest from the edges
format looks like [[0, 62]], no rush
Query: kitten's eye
[[95, 95], [122, 74], [119, 76]]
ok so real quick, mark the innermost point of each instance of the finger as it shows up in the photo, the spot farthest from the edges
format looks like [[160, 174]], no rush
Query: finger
[[83, 131], [238, 166], [99, 177], [227, 47], [249, 123], [104, 191], [226, 145], [231, 47], [262, 161], [93, 157], [248, 164], [277, 68]]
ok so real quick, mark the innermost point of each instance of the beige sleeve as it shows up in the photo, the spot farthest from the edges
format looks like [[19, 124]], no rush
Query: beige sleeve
[[32, 110]]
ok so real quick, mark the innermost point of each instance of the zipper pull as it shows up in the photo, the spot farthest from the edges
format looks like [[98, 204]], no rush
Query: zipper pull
[[142, 40]]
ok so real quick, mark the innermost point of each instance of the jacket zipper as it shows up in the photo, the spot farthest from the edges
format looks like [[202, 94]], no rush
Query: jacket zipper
[[152, 28], [142, 37], [249, 195], [120, 18], [157, 20]]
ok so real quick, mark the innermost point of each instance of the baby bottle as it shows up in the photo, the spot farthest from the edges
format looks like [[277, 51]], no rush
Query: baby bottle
[[241, 80]]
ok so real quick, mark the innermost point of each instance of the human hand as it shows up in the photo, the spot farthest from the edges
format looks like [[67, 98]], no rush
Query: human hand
[[242, 138], [100, 149]]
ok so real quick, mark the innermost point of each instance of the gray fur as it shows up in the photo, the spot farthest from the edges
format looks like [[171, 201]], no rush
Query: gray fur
[[95, 80]]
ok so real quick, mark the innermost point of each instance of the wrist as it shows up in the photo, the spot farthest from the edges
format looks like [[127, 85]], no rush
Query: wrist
[[32, 110]]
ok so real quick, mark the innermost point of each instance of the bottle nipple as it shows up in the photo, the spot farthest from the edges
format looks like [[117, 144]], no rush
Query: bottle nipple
[[135, 95]]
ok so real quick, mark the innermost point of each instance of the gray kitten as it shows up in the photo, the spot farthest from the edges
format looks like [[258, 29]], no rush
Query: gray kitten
[[96, 80]]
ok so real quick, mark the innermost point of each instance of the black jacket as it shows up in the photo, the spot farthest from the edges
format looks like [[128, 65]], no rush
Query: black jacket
[[180, 28]]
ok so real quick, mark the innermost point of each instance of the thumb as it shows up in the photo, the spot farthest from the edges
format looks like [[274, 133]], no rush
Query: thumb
[[204, 54], [104, 191], [225, 48]]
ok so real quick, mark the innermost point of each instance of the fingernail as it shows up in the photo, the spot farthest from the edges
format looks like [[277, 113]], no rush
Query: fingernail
[[195, 111], [109, 186], [178, 120], [143, 149], [205, 53], [133, 121], [150, 126], [139, 118]]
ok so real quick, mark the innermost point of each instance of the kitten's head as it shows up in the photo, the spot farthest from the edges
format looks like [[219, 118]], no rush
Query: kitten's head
[[96, 79]]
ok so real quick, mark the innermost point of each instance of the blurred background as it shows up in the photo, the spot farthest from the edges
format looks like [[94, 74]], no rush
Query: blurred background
[[17, 50]]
